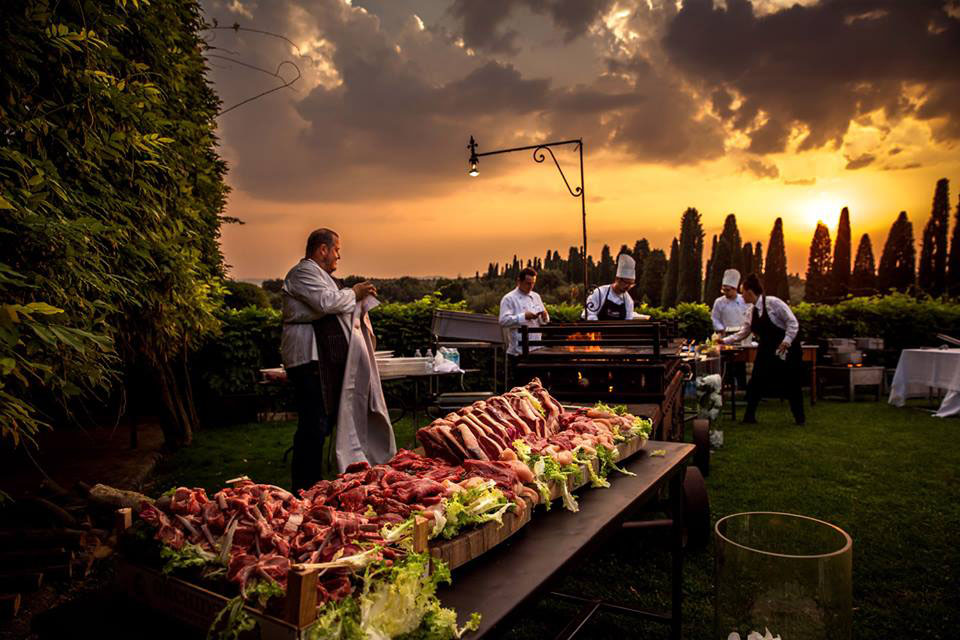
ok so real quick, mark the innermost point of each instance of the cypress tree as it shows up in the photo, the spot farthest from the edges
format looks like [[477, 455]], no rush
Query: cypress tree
[[731, 234], [758, 259], [708, 284], [775, 269], [722, 262], [607, 267], [746, 254], [690, 267], [840, 269], [574, 265], [897, 269], [953, 271], [668, 298], [641, 250], [818, 266], [863, 281], [932, 272], [651, 282]]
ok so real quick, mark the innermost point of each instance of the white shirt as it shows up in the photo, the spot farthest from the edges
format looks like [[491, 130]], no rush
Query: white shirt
[[780, 315], [599, 296], [310, 293], [513, 309], [729, 314]]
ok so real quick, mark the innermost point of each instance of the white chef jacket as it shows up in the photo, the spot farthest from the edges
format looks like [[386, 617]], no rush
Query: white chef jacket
[[600, 294], [780, 315], [513, 309], [309, 293], [729, 314]]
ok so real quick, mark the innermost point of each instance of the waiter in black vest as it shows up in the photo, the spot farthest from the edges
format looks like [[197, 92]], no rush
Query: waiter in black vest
[[314, 346]]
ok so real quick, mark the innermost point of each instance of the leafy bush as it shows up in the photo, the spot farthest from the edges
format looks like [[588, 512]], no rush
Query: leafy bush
[[405, 327], [111, 192], [240, 295], [228, 363]]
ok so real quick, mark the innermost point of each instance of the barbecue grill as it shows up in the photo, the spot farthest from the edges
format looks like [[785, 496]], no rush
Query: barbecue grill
[[630, 362]]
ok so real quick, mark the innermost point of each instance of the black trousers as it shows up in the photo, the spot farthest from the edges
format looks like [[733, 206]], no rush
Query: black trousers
[[773, 372], [313, 425]]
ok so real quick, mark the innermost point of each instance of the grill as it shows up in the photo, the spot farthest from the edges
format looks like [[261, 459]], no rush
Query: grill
[[630, 362]]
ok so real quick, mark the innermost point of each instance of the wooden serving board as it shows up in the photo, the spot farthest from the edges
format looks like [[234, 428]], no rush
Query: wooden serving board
[[472, 544]]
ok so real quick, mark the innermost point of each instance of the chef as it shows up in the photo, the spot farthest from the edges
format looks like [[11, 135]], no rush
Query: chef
[[521, 307], [778, 367], [729, 309], [325, 336], [613, 301]]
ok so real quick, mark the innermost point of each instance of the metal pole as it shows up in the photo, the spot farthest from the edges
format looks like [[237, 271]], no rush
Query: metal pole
[[583, 207]]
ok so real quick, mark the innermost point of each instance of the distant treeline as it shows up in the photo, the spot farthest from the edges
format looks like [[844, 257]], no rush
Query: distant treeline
[[666, 278]]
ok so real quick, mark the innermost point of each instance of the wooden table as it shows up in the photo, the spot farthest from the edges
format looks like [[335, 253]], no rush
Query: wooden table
[[526, 565], [732, 355]]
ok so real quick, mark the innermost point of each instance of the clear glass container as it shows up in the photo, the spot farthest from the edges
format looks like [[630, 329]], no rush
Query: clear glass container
[[785, 573]]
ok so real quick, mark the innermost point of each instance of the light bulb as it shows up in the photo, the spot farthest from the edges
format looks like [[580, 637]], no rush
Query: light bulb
[[473, 170]]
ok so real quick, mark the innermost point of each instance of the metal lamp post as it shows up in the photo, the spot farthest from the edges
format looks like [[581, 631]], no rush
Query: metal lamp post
[[539, 156]]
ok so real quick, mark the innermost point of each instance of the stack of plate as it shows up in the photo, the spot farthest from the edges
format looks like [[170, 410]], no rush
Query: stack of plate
[[398, 367]]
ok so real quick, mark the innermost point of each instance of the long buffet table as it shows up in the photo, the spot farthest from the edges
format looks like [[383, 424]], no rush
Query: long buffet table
[[498, 584]]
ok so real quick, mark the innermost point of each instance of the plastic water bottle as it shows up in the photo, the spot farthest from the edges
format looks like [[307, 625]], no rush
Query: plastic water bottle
[[455, 357], [417, 354], [430, 353]]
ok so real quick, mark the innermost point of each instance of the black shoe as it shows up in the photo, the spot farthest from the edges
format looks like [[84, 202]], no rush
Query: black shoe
[[749, 420]]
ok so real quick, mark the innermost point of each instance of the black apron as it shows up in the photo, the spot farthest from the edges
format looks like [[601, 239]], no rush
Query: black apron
[[611, 309], [332, 348], [777, 376]]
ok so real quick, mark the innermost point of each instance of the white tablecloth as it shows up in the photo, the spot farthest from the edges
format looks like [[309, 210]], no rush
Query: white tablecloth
[[920, 369]]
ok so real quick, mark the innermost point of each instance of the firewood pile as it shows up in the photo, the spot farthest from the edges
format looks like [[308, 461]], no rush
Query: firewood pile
[[55, 536]]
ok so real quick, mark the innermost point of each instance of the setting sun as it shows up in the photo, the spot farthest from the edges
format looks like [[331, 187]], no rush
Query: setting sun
[[825, 208]]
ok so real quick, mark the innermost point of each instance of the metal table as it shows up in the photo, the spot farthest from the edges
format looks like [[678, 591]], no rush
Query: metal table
[[503, 580]]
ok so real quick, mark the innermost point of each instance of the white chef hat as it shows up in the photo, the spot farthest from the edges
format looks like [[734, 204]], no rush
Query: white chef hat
[[626, 267], [731, 278]]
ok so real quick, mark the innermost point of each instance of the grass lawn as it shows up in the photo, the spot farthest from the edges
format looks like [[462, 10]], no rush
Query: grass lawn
[[888, 476]]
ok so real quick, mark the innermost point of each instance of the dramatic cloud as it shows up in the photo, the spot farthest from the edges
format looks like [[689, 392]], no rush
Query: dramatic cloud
[[860, 161], [761, 169], [810, 70]]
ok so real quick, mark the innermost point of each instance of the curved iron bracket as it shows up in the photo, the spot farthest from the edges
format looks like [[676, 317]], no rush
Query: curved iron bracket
[[539, 157]]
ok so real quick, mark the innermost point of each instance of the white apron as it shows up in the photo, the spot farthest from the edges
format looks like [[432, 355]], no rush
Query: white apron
[[364, 433]]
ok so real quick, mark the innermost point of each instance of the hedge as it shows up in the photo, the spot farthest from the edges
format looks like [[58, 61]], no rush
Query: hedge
[[250, 338]]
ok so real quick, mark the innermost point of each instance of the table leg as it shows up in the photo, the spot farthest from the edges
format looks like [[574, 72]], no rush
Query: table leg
[[733, 397], [676, 543], [813, 380]]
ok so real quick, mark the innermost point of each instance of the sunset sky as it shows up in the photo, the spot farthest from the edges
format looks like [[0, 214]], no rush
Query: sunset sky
[[775, 108]]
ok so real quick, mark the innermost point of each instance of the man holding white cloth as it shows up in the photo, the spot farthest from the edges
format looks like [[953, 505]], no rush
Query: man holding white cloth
[[327, 350]]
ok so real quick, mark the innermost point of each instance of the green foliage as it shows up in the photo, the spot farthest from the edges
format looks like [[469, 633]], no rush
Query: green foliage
[[690, 267], [932, 268], [668, 296], [864, 277], [227, 363], [901, 320], [240, 295], [111, 192], [404, 328], [840, 267]]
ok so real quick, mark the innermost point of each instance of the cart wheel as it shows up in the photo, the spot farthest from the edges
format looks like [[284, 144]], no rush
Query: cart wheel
[[701, 438], [696, 509]]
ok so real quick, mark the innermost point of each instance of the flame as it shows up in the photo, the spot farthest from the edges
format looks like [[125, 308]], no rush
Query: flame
[[592, 336]]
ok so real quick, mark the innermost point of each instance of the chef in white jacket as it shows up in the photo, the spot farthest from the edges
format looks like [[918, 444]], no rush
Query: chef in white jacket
[[521, 307], [324, 344], [729, 310], [613, 301]]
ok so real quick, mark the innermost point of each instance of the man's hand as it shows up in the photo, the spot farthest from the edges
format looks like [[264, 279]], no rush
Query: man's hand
[[544, 316], [364, 289], [784, 346], [530, 315]]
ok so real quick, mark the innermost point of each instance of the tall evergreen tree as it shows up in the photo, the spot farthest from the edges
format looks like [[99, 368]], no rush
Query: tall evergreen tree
[[671, 281], [746, 254], [932, 272], [606, 267], [574, 265], [690, 267], [641, 249], [731, 234], [818, 266], [897, 269], [651, 282], [758, 259], [775, 269], [721, 262], [709, 279], [953, 268], [840, 269], [863, 281]]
